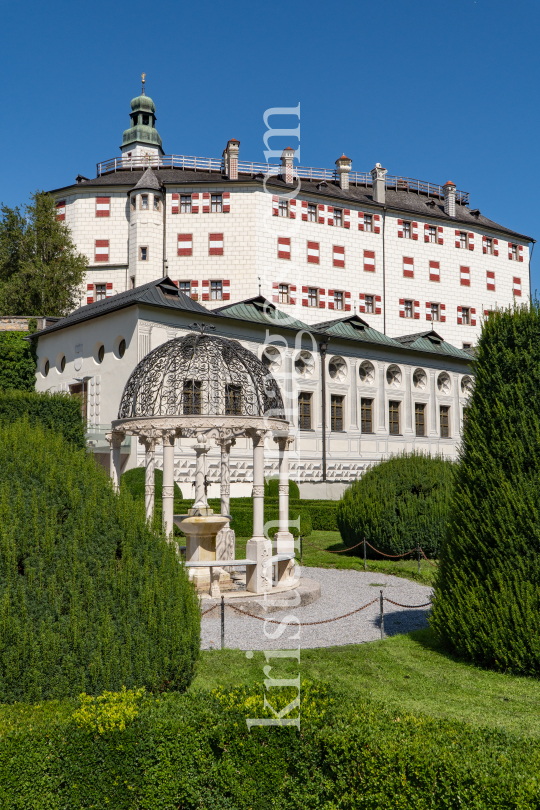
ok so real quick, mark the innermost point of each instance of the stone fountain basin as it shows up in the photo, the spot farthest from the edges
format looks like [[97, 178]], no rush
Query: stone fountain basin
[[200, 525]]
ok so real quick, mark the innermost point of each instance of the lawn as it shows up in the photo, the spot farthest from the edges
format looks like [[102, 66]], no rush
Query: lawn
[[410, 672], [316, 555]]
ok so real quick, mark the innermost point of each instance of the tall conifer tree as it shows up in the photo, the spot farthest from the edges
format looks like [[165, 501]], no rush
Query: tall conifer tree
[[487, 595], [40, 270]]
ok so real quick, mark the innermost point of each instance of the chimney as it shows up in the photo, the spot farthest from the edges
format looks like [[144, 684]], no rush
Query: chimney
[[287, 158], [378, 177], [450, 199], [230, 158], [343, 167]]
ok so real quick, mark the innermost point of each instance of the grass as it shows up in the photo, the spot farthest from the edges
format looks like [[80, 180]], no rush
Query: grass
[[410, 672], [316, 555]]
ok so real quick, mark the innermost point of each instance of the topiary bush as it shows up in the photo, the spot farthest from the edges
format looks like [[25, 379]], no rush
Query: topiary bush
[[59, 412], [271, 489], [91, 597], [134, 481], [398, 504], [487, 593]]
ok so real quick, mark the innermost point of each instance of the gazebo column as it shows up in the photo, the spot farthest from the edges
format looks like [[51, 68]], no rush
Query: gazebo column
[[259, 548], [115, 440], [149, 441], [284, 539], [169, 437], [225, 540], [201, 449]]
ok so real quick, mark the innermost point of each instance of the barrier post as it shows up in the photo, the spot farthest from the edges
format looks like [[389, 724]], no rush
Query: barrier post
[[365, 563], [418, 552], [222, 621], [382, 615]]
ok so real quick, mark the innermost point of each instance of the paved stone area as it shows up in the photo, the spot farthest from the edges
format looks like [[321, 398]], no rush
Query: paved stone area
[[341, 592]]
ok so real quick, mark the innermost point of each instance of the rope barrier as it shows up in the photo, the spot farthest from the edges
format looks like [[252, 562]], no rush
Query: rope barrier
[[405, 606], [208, 611], [426, 559], [391, 555], [305, 624]]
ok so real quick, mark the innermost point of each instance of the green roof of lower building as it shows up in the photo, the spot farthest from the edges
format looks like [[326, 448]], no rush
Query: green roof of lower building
[[260, 310]]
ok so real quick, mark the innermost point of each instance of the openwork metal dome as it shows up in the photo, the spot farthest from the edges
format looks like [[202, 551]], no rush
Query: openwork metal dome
[[204, 375]]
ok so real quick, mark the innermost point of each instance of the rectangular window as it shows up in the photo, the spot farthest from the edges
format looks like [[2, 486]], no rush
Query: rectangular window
[[369, 261], [338, 217], [408, 267], [185, 287], [133, 203], [370, 306], [366, 415], [61, 210], [185, 204], [185, 244], [157, 203], [304, 410], [313, 252], [100, 292], [338, 300], [488, 245], [216, 290], [336, 412], [215, 244], [408, 308], [513, 252], [143, 254], [432, 233], [313, 296], [445, 423], [283, 293], [420, 418], [465, 276], [80, 390], [101, 250], [284, 247], [434, 271], [283, 208], [233, 400], [407, 230], [368, 222], [216, 204], [132, 282], [191, 397], [393, 418], [465, 315], [463, 240], [312, 212], [435, 312], [338, 254], [103, 206], [144, 202]]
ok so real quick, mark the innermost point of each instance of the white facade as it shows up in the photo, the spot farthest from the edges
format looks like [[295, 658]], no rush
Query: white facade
[[357, 369]]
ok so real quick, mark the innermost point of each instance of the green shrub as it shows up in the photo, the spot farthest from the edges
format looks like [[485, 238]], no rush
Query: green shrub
[[134, 481], [398, 504], [242, 520], [91, 598], [323, 514], [17, 362], [195, 752], [487, 596], [271, 489], [58, 412]]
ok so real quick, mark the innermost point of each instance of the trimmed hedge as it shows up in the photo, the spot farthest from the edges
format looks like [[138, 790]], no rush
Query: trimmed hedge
[[17, 362], [195, 752], [319, 515], [58, 412], [91, 597], [487, 591], [134, 481], [271, 489], [398, 504]]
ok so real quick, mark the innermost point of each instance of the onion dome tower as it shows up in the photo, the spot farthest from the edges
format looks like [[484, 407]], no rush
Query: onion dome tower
[[142, 138]]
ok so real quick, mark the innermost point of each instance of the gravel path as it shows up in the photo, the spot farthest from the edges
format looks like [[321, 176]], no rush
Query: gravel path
[[341, 592]]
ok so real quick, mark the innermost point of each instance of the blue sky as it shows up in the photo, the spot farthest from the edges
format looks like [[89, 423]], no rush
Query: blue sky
[[430, 89]]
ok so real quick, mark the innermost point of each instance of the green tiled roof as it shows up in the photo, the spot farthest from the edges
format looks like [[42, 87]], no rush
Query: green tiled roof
[[260, 310], [354, 328], [432, 343]]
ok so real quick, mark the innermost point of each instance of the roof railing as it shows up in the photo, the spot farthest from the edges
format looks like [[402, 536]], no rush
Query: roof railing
[[203, 164]]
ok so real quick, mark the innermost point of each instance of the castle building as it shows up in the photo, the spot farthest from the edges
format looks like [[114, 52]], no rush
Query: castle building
[[405, 255]]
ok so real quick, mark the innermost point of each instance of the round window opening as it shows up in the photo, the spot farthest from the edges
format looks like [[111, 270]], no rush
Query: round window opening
[[46, 367], [119, 348], [393, 375], [271, 358], [304, 364], [101, 352], [420, 379], [337, 369], [367, 372], [122, 348], [467, 385], [63, 363], [443, 383]]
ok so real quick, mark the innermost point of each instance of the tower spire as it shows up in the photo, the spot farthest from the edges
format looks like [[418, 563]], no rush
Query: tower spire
[[143, 83]]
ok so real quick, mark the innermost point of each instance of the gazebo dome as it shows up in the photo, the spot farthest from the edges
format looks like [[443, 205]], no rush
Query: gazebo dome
[[201, 374]]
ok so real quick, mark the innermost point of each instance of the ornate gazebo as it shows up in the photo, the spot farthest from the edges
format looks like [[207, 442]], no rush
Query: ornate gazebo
[[208, 387]]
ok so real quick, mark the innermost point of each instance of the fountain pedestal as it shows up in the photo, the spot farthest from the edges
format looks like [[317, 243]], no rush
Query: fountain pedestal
[[201, 531]]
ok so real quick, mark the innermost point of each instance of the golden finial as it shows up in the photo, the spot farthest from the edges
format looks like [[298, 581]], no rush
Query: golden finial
[[143, 81]]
